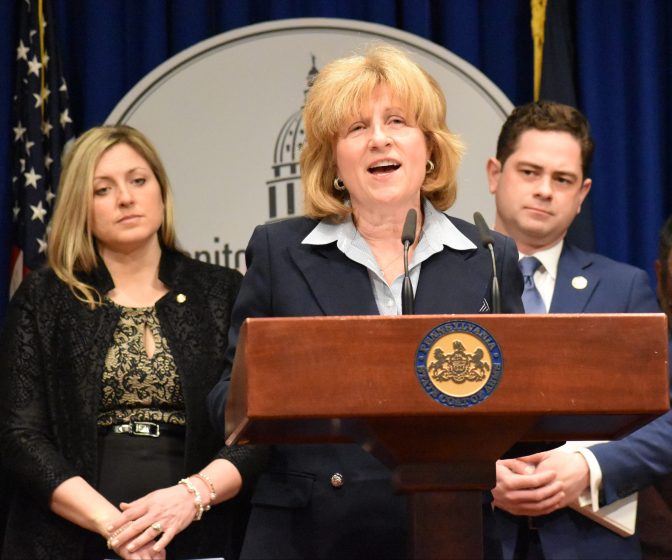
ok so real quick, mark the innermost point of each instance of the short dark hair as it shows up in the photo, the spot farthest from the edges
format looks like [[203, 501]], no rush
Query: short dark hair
[[546, 115]]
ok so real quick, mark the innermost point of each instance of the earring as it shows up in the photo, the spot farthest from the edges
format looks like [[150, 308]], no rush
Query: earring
[[429, 167], [338, 184]]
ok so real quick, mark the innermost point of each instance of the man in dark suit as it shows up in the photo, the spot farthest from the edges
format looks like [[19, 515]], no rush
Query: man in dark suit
[[654, 509], [643, 459], [540, 179]]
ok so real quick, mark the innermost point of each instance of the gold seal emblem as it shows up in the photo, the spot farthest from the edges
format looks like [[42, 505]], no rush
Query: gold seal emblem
[[459, 364]]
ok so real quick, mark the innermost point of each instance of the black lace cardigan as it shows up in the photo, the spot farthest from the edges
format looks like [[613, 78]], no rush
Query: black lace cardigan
[[52, 351]]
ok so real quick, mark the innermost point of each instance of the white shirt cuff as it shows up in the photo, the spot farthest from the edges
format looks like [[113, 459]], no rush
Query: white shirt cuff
[[591, 496]]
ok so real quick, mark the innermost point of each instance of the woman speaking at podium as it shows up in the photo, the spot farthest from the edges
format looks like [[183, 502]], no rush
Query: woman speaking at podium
[[376, 147]]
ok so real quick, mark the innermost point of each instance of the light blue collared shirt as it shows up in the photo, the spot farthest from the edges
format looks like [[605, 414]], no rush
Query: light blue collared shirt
[[437, 231]]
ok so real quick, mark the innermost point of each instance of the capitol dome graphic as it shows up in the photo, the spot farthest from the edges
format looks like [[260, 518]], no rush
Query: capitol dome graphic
[[285, 198]]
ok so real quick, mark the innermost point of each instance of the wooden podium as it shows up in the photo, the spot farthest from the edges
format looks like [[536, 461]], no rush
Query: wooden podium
[[343, 379]]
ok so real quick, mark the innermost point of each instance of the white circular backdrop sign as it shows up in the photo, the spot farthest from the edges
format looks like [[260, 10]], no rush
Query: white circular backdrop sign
[[225, 115]]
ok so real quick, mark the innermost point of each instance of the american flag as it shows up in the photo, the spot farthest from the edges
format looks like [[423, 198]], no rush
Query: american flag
[[41, 129]]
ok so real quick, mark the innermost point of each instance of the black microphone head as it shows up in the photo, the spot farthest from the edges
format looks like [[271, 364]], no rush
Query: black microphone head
[[408, 233], [483, 230]]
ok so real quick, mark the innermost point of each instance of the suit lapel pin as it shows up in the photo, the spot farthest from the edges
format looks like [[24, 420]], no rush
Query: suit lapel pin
[[579, 282]]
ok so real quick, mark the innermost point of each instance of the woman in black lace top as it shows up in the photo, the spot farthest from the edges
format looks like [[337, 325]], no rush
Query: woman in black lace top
[[107, 357]]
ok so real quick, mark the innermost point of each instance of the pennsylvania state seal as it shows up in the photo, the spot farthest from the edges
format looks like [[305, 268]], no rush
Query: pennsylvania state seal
[[459, 364]]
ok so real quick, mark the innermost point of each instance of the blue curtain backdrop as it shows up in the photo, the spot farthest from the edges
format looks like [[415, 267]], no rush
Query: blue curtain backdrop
[[623, 79]]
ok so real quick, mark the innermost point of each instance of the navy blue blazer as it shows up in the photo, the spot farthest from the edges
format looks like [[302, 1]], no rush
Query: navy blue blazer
[[611, 287], [296, 511], [635, 461]]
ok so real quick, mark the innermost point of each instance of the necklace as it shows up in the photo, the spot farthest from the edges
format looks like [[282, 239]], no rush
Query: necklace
[[395, 259]]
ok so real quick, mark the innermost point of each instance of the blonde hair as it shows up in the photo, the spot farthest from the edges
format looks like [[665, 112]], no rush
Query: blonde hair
[[339, 91], [71, 246]]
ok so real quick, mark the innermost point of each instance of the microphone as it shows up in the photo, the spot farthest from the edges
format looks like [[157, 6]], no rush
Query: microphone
[[489, 243], [408, 238]]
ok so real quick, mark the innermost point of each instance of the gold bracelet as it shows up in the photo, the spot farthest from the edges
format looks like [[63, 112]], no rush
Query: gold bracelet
[[198, 501], [205, 478]]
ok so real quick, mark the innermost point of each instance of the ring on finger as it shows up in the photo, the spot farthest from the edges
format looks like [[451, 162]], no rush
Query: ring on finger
[[157, 527]]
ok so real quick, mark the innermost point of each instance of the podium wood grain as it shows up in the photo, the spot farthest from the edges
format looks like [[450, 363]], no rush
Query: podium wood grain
[[337, 379]]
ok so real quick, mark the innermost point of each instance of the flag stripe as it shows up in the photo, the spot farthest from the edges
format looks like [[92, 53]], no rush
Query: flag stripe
[[41, 129]]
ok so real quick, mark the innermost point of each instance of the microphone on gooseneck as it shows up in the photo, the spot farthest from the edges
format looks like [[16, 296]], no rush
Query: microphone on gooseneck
[[408, 238], [489, 243]]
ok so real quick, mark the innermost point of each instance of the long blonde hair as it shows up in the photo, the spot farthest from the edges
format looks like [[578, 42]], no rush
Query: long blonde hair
[[71, 246], [339, 91]]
